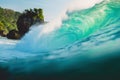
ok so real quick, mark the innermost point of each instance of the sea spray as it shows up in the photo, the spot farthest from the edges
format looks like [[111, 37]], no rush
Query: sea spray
[[77, 24]]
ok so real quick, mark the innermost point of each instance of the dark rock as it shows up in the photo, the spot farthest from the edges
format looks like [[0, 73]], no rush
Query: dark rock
[[29, 18], [24, 24], [13, 34]]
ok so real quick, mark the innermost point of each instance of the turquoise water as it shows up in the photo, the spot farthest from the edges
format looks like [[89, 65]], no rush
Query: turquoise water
[[87, 42], [78, 25]]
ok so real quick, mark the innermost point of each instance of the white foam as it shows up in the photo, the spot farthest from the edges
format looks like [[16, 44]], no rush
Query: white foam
[[74, 5]]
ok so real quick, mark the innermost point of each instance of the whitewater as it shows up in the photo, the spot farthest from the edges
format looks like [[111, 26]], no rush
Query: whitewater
[[84, 40]]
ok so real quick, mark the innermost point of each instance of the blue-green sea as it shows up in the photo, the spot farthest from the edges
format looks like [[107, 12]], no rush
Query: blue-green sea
[[85, 45]]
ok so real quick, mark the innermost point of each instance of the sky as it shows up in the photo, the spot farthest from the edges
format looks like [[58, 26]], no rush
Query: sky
[[51, 8]]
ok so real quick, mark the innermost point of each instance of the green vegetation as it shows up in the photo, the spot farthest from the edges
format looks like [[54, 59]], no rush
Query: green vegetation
[[8, 19], [14, 24]]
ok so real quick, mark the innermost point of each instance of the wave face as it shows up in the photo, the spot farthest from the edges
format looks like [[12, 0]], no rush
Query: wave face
[[86, 42], [78, 25]]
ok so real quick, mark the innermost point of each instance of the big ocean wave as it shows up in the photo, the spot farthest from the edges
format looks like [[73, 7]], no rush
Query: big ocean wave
[[85, 40], [77, 25]]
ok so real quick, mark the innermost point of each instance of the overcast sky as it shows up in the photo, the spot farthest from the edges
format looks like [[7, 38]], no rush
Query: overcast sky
[[51, 8]]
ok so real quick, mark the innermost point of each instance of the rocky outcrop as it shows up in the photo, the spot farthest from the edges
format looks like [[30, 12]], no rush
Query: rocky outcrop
[[17, 24], [13, 34], [28, 18]]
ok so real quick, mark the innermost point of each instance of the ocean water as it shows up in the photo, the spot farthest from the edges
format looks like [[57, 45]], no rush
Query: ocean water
[[85, 42]]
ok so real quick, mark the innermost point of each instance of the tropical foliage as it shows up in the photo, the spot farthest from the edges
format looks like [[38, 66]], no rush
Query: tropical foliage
[[8, 19], [14, 24]]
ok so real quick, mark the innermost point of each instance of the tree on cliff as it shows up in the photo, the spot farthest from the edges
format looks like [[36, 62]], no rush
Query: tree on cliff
[[8, 19], [28, 18], [14, 25]]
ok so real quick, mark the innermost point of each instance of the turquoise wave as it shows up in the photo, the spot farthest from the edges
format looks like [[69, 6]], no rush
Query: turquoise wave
[[87, 42], [78, 25]]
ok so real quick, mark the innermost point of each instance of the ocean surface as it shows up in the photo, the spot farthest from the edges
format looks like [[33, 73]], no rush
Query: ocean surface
[[84, 42]]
